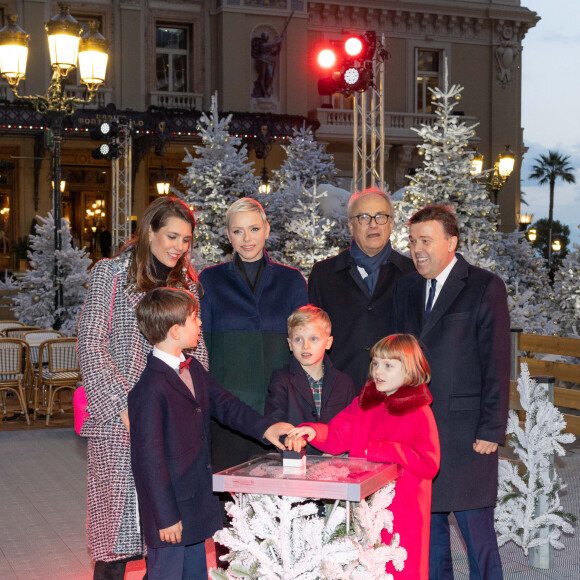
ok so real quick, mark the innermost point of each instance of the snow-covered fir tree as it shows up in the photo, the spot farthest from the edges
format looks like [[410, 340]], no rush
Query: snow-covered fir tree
[[218, 175], [445, 176], [307, 240], [516, 516], [283, 538], [35, 303], [306, 160], [567, 294], [530, 296]]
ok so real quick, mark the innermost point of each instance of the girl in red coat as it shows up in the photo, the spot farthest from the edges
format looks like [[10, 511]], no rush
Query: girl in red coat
[[391, 421]]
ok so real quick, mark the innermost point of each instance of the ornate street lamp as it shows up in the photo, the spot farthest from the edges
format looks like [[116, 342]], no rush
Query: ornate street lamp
[[163, 184], [477, 163], [532, 234], [66, 47], [525, 221], [499, 174]]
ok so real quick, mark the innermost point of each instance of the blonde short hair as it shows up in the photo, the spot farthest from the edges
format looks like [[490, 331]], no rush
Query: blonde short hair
[[309, 314], [244, 204], [404, 348]]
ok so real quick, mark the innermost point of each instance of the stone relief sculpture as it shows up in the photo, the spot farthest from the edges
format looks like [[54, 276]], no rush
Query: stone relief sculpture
[[506, 54]]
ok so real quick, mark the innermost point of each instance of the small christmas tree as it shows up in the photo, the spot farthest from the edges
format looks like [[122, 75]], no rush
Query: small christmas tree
[[282, 538], [308, 231], [516, 516], [35, 303], [218, 176], [306, 161]]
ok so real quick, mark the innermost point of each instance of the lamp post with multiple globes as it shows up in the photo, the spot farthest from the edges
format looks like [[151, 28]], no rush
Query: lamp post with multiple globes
[[66, 47], [498, 175]]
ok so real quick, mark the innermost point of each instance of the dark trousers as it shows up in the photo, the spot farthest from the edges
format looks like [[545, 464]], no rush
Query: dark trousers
[[478, 532], [177, 562]]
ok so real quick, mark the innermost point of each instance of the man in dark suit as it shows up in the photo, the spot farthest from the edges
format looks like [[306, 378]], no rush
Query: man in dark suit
[[462, 323], [355, 287]]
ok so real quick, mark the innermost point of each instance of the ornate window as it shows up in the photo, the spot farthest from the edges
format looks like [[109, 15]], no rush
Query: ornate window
[[428, 67], [173, 46]]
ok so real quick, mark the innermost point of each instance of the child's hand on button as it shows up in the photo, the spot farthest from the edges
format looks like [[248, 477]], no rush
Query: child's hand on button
[[295, 439]]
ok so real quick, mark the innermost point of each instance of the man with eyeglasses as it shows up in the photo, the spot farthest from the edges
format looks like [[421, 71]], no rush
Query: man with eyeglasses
[[355, 287]]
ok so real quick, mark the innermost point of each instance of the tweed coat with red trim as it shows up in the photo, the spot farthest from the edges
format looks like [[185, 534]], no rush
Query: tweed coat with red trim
[[111, 365]]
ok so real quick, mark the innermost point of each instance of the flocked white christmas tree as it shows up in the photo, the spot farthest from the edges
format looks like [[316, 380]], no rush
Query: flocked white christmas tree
[[445, 178], [306, 240], [306, 160], [516, 515], [218, 175], [530, 296], [35, 303], [567, 293], [283, 538]]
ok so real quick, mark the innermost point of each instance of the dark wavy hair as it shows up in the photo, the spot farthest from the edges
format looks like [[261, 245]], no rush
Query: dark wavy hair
[[156, 216]]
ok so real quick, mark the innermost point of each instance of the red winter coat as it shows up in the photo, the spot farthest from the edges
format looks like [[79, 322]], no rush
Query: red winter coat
[[399, 429]]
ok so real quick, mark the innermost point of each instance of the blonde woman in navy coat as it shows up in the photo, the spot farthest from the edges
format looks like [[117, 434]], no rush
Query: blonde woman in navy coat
[[244, 309]]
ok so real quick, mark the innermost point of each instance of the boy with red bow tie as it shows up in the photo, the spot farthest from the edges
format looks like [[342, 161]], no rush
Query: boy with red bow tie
[[169, 415]]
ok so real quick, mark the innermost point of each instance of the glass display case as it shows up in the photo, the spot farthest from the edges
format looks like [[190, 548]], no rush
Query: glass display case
[[339, 478]]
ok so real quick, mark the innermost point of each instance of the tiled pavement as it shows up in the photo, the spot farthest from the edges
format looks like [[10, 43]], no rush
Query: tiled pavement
[[42, 513]]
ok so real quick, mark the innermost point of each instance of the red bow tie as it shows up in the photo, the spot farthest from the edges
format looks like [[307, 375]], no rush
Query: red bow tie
[[184, 365]]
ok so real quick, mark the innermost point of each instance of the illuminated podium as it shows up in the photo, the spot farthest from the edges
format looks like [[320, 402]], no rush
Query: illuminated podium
[[341, 478]]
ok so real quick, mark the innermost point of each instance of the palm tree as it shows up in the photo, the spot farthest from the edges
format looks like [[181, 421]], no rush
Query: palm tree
[[547, 169]]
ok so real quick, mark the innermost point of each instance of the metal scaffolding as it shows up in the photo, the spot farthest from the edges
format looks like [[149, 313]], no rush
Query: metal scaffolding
[[122, 188], [369, 129]]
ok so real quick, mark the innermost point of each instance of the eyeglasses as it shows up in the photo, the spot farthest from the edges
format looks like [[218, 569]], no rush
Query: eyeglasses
[[364, 219]]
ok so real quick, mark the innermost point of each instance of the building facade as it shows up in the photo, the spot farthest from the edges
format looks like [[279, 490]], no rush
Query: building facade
[[167, 59]]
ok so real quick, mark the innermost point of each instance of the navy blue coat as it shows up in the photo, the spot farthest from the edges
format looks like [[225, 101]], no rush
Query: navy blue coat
[[170, 448], [246, 332], [467, 343], [290, 397], [359, 320]]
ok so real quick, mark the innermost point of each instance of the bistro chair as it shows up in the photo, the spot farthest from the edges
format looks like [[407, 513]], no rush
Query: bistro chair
[[35, 338], [18, 331], [13, 365], [9, 324], [61, 371]]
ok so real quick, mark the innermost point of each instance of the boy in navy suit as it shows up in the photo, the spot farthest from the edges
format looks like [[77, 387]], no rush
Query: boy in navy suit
[[309, 388], [169, 413]]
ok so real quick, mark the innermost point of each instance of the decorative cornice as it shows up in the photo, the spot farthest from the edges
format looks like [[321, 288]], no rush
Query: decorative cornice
[[460, 21]]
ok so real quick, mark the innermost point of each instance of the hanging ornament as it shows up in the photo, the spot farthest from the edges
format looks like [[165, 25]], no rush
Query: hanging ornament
[[36, 298], [86, 285]]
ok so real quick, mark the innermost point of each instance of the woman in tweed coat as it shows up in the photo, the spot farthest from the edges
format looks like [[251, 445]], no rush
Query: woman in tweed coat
[[112, 354]]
